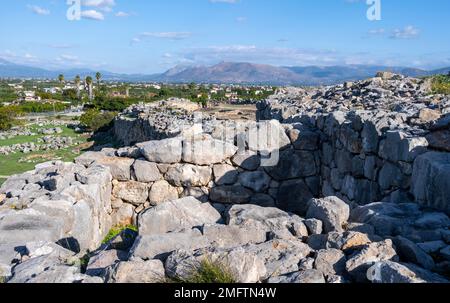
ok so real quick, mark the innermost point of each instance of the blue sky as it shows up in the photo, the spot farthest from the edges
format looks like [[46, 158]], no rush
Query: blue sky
[[148, 36]]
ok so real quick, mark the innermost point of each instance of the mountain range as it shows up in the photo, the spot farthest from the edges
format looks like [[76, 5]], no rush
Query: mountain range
[[228, 72]]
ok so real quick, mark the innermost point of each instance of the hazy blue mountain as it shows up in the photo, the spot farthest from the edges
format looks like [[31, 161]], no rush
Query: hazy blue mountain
[[228, 72]]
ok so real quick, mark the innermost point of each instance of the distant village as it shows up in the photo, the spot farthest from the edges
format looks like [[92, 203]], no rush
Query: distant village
[[17, 91]]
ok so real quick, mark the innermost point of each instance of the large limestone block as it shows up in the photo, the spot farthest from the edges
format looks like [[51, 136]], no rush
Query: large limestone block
[[330, 262], [133, 192], [177, 215], [280, 256], [332, 211], [275, 221], [161, 192], [151, 271], [146, 172], [431, 180], [398, 146], [358, 264], [24, 226], [304, 139], [257, 181], [164, 151], [225, 174], [58, 209], [120, 168], [267, 136], [188, 175], [246, 159], [233, 194], [204, 150], [225, 236], [293, 164], [160, 246], [391, 272], [293, 196]]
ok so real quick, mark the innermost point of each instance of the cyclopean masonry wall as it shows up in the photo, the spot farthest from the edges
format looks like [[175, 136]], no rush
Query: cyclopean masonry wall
[[211, 169], [377, 154]]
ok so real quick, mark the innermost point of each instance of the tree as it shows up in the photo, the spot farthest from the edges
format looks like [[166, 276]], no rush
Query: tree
[[203, 100], [70, 94], [61, 80], [8, 117], [94, 119], [89, 81], [77, 84], [98, 76]]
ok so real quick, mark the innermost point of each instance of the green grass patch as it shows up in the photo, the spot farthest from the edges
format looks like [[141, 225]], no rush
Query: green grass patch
[[116, 230], [17, 163], [66, 132], [208, 272]]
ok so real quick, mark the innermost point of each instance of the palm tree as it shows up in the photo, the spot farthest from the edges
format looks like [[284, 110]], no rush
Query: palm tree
[[89, 81], [98, 76], [61, 80], [77, 84]]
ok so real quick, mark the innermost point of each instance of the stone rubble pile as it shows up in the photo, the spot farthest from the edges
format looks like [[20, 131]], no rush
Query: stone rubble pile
[[386, 92], [46, 143], [369, 146], [50, 131], [15, 133], [156, 121]]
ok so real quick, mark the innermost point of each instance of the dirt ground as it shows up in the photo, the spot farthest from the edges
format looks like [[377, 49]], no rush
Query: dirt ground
[[233, 112]]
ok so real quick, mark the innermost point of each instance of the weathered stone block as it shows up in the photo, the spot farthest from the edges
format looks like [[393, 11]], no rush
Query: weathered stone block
[[431, 180]]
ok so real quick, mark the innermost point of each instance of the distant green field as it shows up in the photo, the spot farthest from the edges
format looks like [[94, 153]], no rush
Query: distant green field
[[18, 163]]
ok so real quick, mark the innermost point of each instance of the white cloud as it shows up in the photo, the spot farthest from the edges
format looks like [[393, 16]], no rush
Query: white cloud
[[284, 56], [66, 57], [162, 35], [61, 46], [103, 5], [377, 32], [169, 35], [93, 15], [266, 55], [122, 14], [29, 56], [408, 32], [38, 10]]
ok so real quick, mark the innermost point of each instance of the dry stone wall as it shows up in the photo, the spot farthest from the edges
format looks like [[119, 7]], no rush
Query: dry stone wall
[[393, 150], [151, 173]]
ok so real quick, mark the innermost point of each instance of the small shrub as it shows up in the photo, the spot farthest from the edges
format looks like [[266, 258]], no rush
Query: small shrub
[[8, 117], [208, 271], [81, 263], [441, 84], [2, 279], [95, 120], [116, 230]]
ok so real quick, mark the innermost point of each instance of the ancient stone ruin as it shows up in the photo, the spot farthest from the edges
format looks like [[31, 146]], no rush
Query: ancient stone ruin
[[349, 183]]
